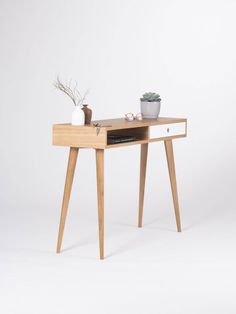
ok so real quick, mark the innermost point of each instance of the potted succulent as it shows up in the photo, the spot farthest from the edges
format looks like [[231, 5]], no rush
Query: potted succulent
[[150, 105]]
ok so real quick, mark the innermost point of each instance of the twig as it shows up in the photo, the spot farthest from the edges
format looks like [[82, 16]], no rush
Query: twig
[[73, 93]]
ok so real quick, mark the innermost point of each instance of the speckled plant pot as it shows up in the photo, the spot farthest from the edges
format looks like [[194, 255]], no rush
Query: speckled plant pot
[[150, 109]]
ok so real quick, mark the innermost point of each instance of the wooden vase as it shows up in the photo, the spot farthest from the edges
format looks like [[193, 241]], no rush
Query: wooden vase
[[87, 114]]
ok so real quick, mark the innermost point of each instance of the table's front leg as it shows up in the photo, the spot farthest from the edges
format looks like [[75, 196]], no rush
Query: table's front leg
[[66, 197], [143, 166], [171, 167], [100, 194]]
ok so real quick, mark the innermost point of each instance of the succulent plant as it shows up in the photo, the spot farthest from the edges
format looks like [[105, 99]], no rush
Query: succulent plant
[[151, 97]]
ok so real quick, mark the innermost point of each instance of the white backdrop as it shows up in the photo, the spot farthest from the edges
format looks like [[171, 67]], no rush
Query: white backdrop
[[186, 51]]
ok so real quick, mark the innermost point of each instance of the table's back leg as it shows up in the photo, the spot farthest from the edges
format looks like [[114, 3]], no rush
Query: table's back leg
[[67, 190], [143, 166], [171, 167], [100, 194]]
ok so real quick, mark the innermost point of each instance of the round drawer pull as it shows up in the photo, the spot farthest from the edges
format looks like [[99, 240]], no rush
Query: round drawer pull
[[168, 130]]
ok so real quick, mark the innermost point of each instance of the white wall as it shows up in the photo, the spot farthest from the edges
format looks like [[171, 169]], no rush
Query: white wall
[[119, 49], [185, 50]]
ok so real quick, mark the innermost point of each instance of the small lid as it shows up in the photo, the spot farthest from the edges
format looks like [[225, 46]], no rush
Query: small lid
[[85, 102]]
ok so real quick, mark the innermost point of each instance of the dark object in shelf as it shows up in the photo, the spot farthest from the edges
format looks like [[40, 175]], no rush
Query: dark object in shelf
[[115, 139]]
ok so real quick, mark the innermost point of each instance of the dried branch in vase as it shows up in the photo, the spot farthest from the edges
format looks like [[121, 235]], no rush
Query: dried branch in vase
[[70, 91]]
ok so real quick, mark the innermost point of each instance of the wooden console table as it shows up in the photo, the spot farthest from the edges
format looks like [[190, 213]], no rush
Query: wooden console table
[[99, 137]]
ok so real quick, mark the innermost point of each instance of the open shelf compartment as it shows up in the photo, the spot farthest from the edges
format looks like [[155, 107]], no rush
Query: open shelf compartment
[[123, 136]]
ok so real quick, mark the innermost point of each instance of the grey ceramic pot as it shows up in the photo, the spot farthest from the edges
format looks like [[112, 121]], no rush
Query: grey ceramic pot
[[150, 109]]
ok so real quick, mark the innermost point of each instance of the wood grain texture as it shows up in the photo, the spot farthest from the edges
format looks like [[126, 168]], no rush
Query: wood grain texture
[[143, 166], [79, 136], [121, 123], [171, 167], [87, 136], [67, 190], [143, 141], [100, 195]]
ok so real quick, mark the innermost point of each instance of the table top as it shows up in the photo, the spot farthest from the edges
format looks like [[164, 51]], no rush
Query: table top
[[96, 134], [122, 123]]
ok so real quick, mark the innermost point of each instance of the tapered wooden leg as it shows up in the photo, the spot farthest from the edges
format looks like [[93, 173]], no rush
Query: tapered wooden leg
[[100, 193], [171, 167], [66, 197], [143, 166]]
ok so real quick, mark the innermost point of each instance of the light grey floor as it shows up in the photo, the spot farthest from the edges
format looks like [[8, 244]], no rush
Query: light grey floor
[[148, 270]]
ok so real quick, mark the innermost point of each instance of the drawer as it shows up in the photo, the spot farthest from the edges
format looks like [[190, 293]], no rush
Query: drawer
[[79, 136], [166, 130]]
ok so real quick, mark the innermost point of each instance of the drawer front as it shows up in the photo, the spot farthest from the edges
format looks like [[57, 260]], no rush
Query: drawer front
[[79, 136], [165, 130]]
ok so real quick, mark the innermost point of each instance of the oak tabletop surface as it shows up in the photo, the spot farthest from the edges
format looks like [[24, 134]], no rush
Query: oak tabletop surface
[[122, 123]]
